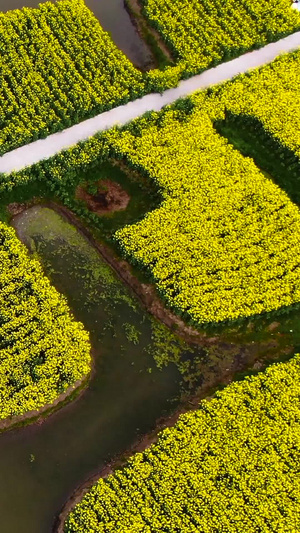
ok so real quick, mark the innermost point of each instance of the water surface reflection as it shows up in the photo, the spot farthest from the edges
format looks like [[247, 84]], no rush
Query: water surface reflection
[[114, 19]]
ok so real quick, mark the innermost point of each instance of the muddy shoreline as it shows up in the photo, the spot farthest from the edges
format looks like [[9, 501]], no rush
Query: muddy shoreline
[[145, 293], [72, 393], [187, 404], [148, 296], [119, 461], [149, 300], [248, 358], [146, 31]]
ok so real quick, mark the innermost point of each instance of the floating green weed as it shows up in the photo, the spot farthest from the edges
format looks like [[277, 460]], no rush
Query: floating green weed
[[132, 333]]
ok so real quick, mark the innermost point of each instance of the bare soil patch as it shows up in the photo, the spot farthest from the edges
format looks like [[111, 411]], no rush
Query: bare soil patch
[[273, 326], [15, 208], [109, 197]]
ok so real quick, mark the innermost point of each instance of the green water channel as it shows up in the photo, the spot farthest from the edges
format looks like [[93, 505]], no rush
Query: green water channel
[[42, 464], [114, 19]]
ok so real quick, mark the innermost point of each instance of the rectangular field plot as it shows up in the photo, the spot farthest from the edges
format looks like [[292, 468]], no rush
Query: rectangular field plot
[[224, 244], [57, 67], [200, 33]]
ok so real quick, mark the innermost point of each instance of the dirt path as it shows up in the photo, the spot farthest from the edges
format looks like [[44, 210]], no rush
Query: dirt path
[[44, 148]]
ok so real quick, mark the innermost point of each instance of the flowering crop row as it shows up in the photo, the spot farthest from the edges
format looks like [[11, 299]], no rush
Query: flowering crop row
[[232, 465], [57, 66], [205, 32], [224, 243], [270, 94], [42, 349]]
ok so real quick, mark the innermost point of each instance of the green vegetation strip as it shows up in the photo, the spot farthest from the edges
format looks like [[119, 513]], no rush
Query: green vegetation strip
[[58, 67], [202, 33], [232, 465], [43, 351]]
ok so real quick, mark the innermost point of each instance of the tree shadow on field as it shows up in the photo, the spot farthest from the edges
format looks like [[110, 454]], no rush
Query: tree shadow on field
[[277, 162]]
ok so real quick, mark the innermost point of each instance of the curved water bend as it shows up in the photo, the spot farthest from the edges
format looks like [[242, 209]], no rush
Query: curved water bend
[[43, 463], [127, 393], [34, 152]]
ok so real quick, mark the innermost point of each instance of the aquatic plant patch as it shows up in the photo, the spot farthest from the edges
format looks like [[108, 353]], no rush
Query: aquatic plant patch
[[43, 350], [232, 465], [201, 33], [58, 67]]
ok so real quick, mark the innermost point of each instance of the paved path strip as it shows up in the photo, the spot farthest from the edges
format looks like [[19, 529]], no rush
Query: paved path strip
[[34, 152]]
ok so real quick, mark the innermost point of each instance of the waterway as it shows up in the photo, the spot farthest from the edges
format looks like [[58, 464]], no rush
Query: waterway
[[41, 465], [114, 19]]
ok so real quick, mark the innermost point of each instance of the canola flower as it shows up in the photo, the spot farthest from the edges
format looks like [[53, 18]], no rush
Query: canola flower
[[42, 349], [232, 465], [201, 33], [58, 66], [224, 242]]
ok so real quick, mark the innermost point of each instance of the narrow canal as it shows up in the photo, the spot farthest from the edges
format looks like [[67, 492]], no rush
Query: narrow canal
[[41, 465]]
